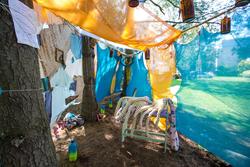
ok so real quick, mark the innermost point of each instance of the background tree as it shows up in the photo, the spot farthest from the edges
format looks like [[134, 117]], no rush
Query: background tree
[[204, 9], [25, 138], [89, 105]]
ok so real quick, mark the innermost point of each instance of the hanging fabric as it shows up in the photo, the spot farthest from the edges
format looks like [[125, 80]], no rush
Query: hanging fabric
[[219, 91], [60, 78], [139, 78], [161, 70], [45, 83], [76, 46], [41, 68], [119, 23], [60, 83], [106, 66], [45, 16], [73, 68], [25, 23]]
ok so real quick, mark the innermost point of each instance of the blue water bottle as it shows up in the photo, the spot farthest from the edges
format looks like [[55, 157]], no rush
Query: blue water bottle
[[72, 151]]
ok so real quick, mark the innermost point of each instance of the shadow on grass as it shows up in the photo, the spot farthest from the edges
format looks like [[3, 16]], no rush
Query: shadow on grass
[[225, 136]]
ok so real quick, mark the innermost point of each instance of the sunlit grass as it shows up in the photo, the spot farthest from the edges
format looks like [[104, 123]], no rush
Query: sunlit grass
[[216, 114]]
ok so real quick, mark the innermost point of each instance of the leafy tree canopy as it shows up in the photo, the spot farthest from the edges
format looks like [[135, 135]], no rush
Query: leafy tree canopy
[[169, 11]]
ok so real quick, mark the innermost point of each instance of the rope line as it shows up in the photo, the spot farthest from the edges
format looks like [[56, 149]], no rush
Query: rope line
[[18, 90]]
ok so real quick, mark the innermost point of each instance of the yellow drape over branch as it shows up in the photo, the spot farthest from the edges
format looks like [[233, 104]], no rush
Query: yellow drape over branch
[[113, 20]]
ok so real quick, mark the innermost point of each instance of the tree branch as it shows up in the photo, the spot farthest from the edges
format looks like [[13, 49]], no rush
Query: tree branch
[[176, 22], [162, 11], [174, 5], [228, 10]]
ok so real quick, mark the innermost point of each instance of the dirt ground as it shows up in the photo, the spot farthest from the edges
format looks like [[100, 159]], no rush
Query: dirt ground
[[99, 145]]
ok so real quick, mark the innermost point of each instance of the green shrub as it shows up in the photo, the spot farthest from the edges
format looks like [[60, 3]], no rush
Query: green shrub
[[244, 65], [245, 74], [226, 71]]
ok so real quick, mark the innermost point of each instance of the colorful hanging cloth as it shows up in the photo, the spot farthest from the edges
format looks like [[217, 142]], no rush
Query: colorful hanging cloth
[[73, 68], [45, 16], [161, 70], [76, 46], [115, 21], [139, 78], [105, 70], [25, 23]]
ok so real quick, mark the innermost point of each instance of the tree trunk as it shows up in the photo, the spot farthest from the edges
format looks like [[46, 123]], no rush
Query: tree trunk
[[126, 78], [89, 105], [125, 81], [25, 138]]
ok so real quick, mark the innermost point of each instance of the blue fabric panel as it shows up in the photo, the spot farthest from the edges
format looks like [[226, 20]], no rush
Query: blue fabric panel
[[48, 104], [213, 101], [76, 46], [197, 51], [105, 71], [139, 78]]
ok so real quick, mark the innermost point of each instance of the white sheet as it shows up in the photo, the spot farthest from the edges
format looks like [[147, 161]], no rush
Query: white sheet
[[74, 68], [25, 23], [60, 83]]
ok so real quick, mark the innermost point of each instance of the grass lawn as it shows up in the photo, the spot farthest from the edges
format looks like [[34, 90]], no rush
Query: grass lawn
[[176, 82], [216, 114]]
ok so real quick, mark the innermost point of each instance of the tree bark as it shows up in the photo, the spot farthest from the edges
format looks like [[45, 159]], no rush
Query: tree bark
[[25, 138], [125, 81], [127, 74], [89, 104]]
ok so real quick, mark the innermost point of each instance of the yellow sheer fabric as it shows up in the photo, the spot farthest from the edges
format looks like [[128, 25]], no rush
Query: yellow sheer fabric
[[45, 16], [161, 67], [113, 20]]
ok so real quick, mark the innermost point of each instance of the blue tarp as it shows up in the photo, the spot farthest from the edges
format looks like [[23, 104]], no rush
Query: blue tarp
[[106, 65], [139, 78], [213, 102]]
